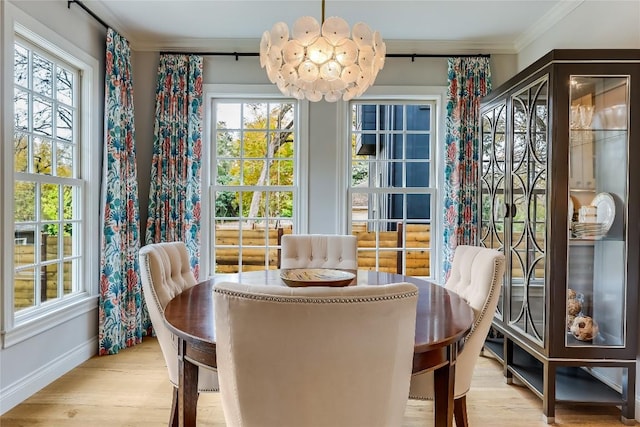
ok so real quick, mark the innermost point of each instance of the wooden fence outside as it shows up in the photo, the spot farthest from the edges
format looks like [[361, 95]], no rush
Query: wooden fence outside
[[390, 243], [417, 245], [417, 258], [25, 282], [253, 248]]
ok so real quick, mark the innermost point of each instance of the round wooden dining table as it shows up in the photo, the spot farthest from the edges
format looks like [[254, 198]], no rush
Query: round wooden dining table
[[442, 320]]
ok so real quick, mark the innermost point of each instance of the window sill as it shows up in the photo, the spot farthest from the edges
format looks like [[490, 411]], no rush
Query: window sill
[[43, 320]]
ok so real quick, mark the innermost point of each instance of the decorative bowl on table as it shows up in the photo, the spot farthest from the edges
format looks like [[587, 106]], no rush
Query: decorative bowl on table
[[296, 277]]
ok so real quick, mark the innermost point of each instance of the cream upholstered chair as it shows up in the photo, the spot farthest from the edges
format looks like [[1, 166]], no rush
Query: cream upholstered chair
[[476, 275], [166, 272], [319, 251], [314, 356]]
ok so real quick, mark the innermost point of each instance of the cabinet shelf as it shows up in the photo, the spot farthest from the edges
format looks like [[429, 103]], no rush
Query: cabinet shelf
[[598, 130], [573, 384], [592, 240], [582, 190], [602, 340]]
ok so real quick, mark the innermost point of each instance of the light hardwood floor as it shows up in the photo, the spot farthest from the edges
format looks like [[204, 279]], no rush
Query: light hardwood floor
[[132, 389]]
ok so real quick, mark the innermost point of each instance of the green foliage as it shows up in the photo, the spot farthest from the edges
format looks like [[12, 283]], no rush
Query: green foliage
[[266, 160], [282, 207], [359, 173], [226, 204], [25, 191]]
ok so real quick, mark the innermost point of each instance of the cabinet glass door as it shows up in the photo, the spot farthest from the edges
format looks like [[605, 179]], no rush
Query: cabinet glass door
[[598, 170], [528, 209], [492, 184]]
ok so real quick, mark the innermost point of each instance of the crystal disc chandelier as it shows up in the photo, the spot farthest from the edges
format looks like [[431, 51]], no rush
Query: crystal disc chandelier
[[330, 61]]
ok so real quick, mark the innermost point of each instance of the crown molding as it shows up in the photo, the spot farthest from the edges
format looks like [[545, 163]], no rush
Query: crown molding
[[196, 44], [449, 47], [253, 45], [542, 25]]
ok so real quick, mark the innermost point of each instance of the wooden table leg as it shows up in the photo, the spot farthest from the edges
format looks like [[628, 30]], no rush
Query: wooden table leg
[[187, 388], [444, 380]]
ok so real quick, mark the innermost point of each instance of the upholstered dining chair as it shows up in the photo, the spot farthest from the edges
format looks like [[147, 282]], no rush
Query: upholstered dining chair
[[319, 251], [166, 272], [314, 356], [476, 275]]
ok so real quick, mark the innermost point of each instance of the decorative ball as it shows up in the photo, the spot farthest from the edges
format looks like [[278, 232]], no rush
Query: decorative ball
[[584, 328], [573, 306], [571, 294], [570, 319]]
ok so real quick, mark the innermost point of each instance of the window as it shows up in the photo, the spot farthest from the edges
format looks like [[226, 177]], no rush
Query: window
[[255, 182], [52, 177], [393, 185], [47, 187]]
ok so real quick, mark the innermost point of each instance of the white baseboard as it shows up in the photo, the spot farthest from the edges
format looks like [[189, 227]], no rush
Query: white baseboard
[[22, 389]]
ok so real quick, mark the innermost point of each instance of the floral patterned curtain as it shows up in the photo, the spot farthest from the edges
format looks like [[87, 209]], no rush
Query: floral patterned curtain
[[123, 318], [174, 196], [469, 80]]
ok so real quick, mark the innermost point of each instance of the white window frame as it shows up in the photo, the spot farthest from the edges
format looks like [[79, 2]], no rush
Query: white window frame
[[18, 327], [390, 94], [249, 93]]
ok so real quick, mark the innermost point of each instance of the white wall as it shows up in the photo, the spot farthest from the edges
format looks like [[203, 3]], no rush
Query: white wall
[[28, 366], [609, 24], [145, 68]]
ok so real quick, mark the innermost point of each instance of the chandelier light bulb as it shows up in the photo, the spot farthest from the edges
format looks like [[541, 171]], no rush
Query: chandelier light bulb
[[322, 61]]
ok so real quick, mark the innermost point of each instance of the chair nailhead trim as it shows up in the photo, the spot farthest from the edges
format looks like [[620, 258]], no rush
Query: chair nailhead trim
[[156, 300], [484, 308], [316, 300]]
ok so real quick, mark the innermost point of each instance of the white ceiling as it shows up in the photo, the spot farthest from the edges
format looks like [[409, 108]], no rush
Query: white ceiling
[[491, 26]]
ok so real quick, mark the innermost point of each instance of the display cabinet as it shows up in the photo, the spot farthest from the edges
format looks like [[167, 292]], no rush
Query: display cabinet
[[560, 196]]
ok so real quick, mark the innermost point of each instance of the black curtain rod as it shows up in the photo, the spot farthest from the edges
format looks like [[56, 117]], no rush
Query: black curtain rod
[[236, 54], [86, 9], [413, 56]]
